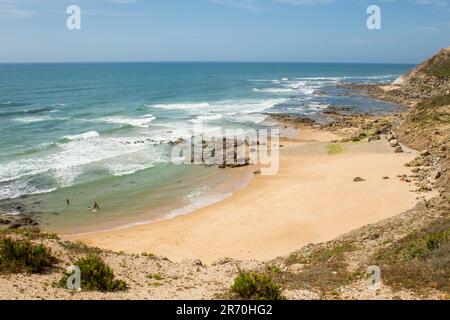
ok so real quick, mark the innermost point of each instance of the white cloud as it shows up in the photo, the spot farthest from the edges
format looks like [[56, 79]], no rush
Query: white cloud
[[8, 10]]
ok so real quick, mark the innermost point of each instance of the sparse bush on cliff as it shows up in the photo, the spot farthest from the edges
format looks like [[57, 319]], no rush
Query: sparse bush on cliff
[[420, 261], [19, 255], [254, 286], [435, 102], [324, 268], [431, 113], [96, 275], [440, 67]]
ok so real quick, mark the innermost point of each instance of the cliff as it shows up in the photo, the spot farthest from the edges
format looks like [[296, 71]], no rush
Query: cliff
[[429, 79]]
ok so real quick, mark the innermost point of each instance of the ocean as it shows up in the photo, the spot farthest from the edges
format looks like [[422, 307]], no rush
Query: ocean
[[103, 131]]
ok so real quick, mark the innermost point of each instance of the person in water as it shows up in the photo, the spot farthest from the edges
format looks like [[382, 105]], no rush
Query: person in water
[[68, 201], [96, 206]]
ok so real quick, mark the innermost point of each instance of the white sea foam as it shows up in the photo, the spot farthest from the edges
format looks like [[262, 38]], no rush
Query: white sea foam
[[198, 204], [312, 107], [120, 169], [207, 118], [306, 90], [316, 106], [89, 152], [229, 108], [19, 188], [12, 212], [83, 136], [74, 158], [340, 78], [289, 86], [181, 106], [320, 78], [33, 119], [170, 131], [260, 106], [251, 111], [141, 122], [252, 118], [274, 90], [262, 80]]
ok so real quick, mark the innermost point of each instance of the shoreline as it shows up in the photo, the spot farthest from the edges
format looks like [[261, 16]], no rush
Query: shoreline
[[241, 184], [255, 222]]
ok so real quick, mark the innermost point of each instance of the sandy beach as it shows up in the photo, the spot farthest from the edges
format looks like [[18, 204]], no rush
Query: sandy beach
[[312, 199]]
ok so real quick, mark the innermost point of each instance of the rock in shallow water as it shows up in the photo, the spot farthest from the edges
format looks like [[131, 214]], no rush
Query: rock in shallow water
[[23, 222]]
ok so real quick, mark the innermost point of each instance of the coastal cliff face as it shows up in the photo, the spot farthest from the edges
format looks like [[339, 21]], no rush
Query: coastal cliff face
[[430, 79], [427, 125]]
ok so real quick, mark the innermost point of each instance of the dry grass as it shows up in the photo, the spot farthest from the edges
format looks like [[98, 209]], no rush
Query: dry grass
[[325, 269], [419, 261]]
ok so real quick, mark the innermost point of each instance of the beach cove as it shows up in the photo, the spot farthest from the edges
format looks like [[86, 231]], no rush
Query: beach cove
[[312, 199]]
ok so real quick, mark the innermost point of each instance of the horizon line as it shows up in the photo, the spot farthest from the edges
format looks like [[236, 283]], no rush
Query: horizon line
[[199, 61]]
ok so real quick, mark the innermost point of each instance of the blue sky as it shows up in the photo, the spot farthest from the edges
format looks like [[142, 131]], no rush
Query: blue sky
[[223, 30]]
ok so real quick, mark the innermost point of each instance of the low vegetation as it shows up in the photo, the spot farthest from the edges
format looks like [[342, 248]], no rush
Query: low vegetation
[[96, 275], [18, 256], [438, 101], [420, 261], [255, 286], [149, 255], [28, 233], [431, 113], [78, 247], [440, 68], [335, 148], [155, 276], [324, 269]]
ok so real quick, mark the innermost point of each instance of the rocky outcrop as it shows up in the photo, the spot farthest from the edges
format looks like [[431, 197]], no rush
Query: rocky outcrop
[[23, 222], [430, 79]]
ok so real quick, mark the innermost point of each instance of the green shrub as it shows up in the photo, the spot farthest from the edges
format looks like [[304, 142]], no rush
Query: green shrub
[[149, 255], [18, 256], [425, 245], [155, 276], [335, 148], [431, 112], [420, 261], [440, 69], [325, 269], [435, 102], [77, 247], [95, 275], [250, 285]]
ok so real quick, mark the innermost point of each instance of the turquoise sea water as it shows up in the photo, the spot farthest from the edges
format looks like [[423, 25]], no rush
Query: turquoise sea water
[[101, 131]]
